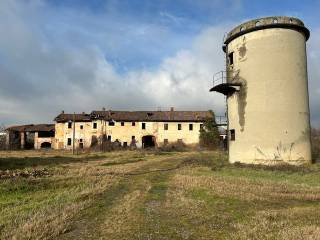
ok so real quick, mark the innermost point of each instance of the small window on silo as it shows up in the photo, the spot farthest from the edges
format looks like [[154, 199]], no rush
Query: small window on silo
[[230, 57], [232, 135]]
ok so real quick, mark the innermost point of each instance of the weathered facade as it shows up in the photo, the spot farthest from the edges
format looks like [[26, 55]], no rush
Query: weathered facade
[[142, 128], [266, 85], [32, 136]]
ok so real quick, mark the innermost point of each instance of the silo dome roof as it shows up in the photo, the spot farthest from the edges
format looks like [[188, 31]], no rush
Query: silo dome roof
[[267, 22]]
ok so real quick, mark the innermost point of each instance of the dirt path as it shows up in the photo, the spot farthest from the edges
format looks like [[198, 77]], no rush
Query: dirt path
[[158, 197], [128, 210]]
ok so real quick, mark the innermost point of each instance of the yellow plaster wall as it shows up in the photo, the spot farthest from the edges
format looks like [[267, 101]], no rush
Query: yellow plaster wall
[[125, 133]]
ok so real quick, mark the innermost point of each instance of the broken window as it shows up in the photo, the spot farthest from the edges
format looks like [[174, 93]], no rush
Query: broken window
[[133, 123], [94, 125], [69, 141], [44, 134], [232, 135], [230, 57], [143, 125], [81, 126], [166, 127], [190, 127], [165, 141], [179, 126], [69, 124], [122, 124], [111, 123]]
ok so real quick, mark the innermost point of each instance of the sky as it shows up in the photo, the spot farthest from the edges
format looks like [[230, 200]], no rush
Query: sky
[[79, 55]]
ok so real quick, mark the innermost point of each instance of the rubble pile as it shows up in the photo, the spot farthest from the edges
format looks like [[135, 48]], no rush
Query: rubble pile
[[24, 173]]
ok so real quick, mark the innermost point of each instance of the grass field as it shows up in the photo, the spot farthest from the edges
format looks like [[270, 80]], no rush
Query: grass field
[[155, 195]]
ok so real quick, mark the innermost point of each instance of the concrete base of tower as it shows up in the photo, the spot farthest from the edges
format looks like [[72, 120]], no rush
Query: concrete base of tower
[[272, 156]]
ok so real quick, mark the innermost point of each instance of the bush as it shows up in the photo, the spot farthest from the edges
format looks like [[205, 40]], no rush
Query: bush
[[315, 141], [174, 147]]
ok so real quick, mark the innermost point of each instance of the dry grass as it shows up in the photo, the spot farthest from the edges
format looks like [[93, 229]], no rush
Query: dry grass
[[123, 195]]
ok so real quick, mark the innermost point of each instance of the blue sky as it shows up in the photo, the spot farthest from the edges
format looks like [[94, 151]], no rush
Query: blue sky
[[80, 55]]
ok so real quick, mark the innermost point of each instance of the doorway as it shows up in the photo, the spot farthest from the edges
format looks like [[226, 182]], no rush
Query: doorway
[[148, 141], [45, 145]]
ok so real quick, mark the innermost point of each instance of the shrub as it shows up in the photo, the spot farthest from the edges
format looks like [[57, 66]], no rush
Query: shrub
[[315, 141]]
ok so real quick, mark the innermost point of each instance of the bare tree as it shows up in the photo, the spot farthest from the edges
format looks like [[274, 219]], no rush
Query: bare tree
[[2, 137]]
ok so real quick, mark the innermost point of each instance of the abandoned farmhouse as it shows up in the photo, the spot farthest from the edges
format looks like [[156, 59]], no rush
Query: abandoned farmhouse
[[127, 128]]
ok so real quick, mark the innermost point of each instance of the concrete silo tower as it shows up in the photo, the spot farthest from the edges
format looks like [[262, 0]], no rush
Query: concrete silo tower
[[266, 86]]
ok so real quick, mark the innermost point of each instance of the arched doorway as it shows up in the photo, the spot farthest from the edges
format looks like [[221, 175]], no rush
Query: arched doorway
[[148, 141], [45, 145]]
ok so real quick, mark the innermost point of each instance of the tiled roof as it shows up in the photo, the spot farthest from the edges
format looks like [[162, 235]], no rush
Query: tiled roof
[[152, 116], [32, 128], [79, 117]]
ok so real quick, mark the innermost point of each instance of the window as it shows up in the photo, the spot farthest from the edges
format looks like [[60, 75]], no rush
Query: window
[[81, 140], [133, 123], [230, 57], [166, 126], [109, 137], [69, 124], [81, 126], [179, 126], [190, 127], [69, 141], [122, 124], [165, 141], [125, 144], [94, 125], [133, 137], [232, 135], [143, 125], [111, 123]]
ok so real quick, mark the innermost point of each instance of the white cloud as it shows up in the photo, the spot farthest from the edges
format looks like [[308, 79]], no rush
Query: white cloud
[[41, 75]]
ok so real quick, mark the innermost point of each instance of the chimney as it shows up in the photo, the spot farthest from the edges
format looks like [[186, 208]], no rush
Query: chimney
[[171, 113]]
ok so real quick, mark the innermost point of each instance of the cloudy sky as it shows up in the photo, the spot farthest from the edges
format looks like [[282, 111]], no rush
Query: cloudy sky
[[80, 55]]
